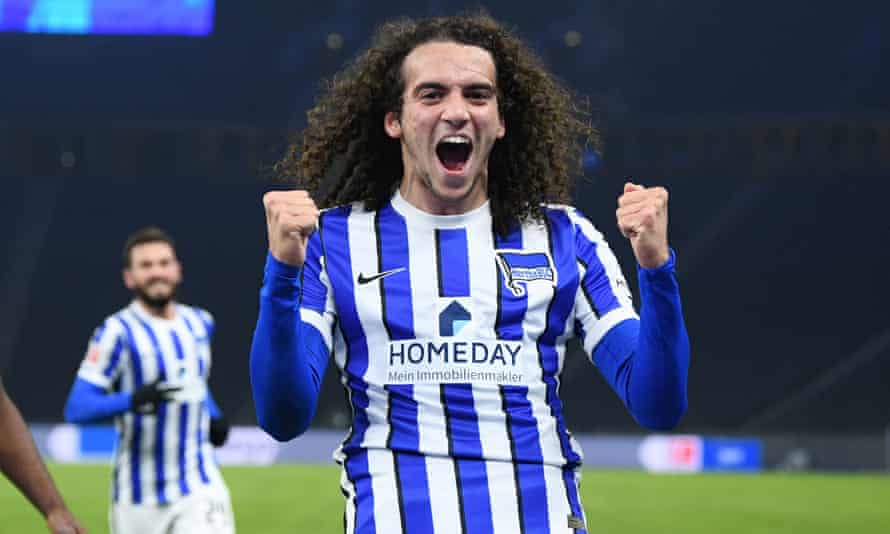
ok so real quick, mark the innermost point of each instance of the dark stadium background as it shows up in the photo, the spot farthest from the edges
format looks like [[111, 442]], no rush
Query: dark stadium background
[[768, 121]]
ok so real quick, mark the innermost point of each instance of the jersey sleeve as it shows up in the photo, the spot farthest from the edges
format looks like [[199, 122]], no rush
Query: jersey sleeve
[[603, 299], [317, 305], [208, 321], [205, 342], [104, 359]]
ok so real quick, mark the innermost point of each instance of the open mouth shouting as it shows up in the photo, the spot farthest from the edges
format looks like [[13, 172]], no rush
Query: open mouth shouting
[[454, 152]]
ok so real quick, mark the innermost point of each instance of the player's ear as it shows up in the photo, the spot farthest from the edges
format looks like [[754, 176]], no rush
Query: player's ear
[[392, 125], [502, 128], [178, 267], [128, 278]]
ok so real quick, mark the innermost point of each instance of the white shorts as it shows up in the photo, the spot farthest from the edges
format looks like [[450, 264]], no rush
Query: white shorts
[[206, 511]]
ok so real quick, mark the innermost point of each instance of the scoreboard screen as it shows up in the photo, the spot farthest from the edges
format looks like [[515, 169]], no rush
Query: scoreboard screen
[[115, 17]]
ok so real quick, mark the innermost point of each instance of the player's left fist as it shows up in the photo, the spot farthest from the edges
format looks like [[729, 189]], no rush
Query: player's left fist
[[643, 219]]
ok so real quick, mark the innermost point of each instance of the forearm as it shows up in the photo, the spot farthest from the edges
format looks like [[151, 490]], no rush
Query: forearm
[[88, 403], [286, 361], [657, 390], [20, 461], [646, 362]]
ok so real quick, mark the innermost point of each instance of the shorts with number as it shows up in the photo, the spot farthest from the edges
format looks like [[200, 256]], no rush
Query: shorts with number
[[207, 511]]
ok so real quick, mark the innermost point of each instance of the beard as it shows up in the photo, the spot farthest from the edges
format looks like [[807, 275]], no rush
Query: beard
[[155, 302]]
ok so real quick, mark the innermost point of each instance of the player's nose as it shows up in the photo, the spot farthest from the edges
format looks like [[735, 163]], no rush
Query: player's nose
[[455, 112]]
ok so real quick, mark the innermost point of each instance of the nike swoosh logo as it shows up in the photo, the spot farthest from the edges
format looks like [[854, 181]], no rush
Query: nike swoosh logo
[[362, 279]]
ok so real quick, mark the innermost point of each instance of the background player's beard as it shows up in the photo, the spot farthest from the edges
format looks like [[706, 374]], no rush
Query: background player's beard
[[154, 302]]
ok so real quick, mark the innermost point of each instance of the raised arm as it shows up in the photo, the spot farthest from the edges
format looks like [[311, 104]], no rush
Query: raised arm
[[644, 358], [288, 357]]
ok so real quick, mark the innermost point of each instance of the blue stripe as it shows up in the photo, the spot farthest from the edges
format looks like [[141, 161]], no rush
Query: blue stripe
[[315, 293], [136, 438], [357, 471], [160, 417], [188, 324], [200, 416], [465, 445], [595, 284], [511, 308], [160, 479], [415, 492], [115, 358], [398, 316], [522, 428], [183, 423], [475, 496], [335, 238], [180, 354], [568, 477], [392, 236], [452, 262], [464, 440], [562, 250], [183, 440], [528, 460], [208, 324], [97, 334]]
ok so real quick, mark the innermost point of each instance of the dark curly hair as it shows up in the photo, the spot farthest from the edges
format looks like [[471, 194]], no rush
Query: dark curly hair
[[344, 154]]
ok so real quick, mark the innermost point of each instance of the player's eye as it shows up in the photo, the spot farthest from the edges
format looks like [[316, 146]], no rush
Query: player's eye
[[430, 95], [478, 95]]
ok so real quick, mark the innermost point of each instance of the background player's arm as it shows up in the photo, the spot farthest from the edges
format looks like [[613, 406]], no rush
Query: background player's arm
[[20, 461], [219, 425], [287, 358], [91, 400]]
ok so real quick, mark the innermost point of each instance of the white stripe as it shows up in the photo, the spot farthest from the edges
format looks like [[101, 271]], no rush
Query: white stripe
[[614, 274], [503, 492], [171, 452], [315, 319], [605, 323], [484, 277], [558, 510], [534, 238], [383, 484], [426, 307], [124, 425], [340, 349], [363, 251], [443, 494], [349, 512]]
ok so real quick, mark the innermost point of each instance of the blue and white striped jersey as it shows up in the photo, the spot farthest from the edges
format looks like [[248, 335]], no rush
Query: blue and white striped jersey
[[163, 456], [450, 341]]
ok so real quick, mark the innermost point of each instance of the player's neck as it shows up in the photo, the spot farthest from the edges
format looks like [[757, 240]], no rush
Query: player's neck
[[167, 311], [425, 198]]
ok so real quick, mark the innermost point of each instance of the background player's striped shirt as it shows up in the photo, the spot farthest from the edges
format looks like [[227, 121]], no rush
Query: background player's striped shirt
[[450, 341], [163, 456]]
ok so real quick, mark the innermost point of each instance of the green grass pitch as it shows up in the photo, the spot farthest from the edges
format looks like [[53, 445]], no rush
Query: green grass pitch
[[297, 499]]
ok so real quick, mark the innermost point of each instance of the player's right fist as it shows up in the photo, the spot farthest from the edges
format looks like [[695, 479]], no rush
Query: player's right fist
[[291, 217]]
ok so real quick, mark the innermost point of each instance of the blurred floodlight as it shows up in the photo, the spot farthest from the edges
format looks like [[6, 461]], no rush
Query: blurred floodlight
[[334, 41], [572, 38]]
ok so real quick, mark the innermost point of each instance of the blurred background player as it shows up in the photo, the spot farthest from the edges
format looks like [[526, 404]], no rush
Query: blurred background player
[[446, 279], [21, 463], [147, 366]]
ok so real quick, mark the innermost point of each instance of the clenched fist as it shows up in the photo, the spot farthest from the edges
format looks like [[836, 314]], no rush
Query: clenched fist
[[291, 217], [643, 218]]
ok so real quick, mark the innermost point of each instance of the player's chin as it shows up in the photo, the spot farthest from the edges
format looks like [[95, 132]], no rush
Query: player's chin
[[159, 292], [454, 184]]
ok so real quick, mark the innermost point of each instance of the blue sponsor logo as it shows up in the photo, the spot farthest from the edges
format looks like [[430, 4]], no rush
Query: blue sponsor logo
[[521, 267], [452, 319]]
